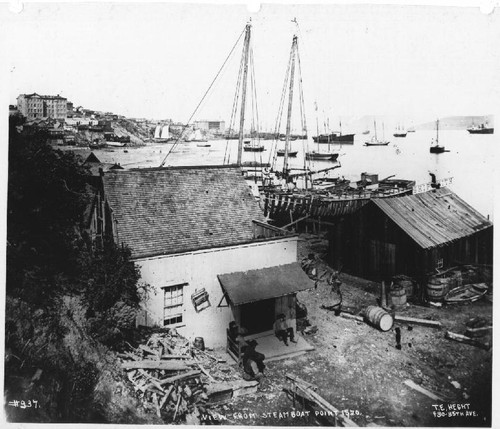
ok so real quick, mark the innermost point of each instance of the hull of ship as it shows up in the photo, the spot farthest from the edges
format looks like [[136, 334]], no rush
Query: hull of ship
[[253, 148], [376, 144], [399, 134], [321, 156], [115, 144], [437, 149], [481, 131], [291, 154], [334, 138]]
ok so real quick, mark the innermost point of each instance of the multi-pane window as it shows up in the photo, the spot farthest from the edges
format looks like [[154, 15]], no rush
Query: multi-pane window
[[173, 298]]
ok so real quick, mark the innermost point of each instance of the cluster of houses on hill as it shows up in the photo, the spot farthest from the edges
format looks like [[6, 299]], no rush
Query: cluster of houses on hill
[[202, 242], [66, 124]]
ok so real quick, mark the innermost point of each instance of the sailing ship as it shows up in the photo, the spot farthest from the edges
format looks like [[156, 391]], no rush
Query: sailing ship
[[400, 132], [335, 137], [251, 145], [318, 155], [435, 147], [480, 129], [374, 141], [162, 134], [196, 136]]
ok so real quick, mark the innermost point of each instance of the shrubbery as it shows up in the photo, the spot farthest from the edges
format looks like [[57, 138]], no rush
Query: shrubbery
[[50, 260]]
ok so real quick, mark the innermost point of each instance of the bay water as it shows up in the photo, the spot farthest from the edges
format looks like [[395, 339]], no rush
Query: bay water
[[469, 161]]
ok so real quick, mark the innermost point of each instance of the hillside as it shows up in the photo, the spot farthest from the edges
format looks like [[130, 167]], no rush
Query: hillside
[[139, 132], [457, 122]]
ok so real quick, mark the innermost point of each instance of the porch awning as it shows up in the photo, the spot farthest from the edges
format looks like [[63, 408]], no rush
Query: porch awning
[[257, 285]]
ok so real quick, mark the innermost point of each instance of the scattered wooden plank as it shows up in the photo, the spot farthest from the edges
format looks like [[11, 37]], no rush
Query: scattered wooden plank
[[164, 356], [155, 364], [478, 331], [463, 339], [184, 376], [420, 389], [156, 404], [147, 349], [296, 379], [154, 381], [415, 321], [312, 396], [165, 397], [179, 397], [205, 372], [352, 316]]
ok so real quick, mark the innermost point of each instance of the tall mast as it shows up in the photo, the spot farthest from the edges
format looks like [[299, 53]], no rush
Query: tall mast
[[246, 49], [437, 132], [290, 99]]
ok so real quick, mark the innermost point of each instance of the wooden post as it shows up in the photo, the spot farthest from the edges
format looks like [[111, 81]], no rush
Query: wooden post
[[383, 296]]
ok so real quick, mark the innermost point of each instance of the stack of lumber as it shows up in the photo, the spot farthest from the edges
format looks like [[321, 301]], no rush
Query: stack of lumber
[[170, 377]]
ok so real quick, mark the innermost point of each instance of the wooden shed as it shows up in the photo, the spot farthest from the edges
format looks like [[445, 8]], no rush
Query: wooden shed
[[412, 235]]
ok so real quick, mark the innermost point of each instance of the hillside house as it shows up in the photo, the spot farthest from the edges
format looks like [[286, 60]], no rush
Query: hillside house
[[203, 245], [413, 235]]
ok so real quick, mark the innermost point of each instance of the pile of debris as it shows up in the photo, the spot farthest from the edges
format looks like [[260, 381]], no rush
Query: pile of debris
[[170, 378]]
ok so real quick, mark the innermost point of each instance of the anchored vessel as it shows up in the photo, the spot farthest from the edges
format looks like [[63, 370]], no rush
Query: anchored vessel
[[437, 148], [374, 141], [481, 129]]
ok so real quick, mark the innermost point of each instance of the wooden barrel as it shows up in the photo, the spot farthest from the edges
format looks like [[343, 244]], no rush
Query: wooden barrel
[[378, 317], [398, 297], [199, 343], [408, 287], [437, 288]]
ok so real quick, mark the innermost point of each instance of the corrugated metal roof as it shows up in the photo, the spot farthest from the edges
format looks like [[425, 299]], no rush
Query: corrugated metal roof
[[173, 210], [257, 285], [433, 218]]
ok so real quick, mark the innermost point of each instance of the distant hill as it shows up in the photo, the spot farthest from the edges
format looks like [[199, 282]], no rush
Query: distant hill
[[457, 122]]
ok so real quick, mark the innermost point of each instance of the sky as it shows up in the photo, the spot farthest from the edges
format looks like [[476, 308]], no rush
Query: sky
[[156, 60]]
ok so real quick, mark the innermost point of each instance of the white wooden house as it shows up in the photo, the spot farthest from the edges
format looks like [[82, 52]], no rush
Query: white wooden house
[[202, 243]]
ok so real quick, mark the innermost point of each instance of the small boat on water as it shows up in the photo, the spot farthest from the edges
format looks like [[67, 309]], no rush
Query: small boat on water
[[321, 156], [291, 153], [366, 132], [374, 141], [436, 147], [292, 138], [116, 144], [203, 145], [253, 147], [480, 129]]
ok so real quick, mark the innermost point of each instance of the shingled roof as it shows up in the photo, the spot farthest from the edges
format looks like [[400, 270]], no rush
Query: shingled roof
[[433, 218], [178, 209]]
